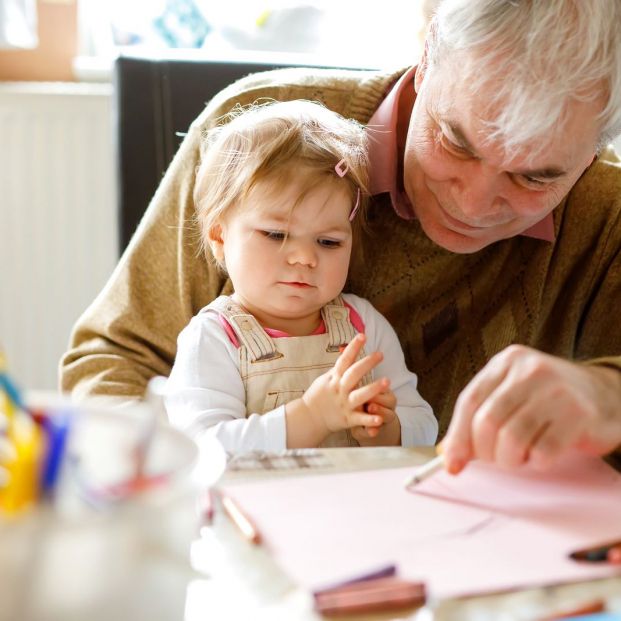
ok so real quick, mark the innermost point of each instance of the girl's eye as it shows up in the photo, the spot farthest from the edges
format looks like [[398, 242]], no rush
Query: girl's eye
[[329, 243], [275, 235]]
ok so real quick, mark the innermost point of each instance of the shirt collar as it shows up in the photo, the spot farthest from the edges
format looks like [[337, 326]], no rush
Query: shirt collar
[[383, 159]]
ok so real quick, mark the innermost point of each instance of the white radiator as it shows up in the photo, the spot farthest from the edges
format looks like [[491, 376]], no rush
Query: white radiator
[[58, 218]]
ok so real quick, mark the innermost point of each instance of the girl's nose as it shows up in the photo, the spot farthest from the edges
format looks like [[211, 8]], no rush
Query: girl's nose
[[301, 252]]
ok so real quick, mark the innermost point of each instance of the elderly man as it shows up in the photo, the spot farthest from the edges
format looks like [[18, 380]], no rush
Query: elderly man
[[494, 235]]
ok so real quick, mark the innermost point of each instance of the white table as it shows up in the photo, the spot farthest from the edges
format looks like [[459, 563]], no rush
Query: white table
[[245, 583], [121, 568]]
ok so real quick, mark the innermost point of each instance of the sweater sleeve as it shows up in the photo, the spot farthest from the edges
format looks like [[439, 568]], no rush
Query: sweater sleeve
[[598, 339], [128, 334], [205, 395], [600, 332], [419, 426]]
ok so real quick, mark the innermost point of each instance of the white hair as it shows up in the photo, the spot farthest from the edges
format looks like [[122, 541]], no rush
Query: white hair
[[535, 57]]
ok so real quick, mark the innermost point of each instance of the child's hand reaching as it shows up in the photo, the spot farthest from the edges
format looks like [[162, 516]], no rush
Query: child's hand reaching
[[389, 432], [334, 401]]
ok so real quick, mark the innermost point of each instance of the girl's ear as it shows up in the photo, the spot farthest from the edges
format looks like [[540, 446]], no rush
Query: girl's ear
[[216, 242]]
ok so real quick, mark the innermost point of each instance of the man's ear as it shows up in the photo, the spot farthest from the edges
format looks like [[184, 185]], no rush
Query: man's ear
[[421, 69], [216, 242], [423, 65]]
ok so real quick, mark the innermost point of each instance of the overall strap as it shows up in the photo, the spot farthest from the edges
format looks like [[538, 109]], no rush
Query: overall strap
[[247, 329], [338, 326]]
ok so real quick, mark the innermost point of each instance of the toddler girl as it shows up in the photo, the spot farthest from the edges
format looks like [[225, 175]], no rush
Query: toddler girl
[[282, 363]]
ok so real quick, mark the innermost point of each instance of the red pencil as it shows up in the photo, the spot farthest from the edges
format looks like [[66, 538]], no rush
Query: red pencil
[[243, 523]]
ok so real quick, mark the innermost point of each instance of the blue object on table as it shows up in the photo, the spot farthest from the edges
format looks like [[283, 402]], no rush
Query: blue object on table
[[56, 428]]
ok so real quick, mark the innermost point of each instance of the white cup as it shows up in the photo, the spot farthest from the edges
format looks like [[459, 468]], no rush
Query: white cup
[[92, 554]]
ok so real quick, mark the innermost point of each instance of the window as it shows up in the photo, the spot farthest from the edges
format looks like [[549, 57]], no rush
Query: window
[[323, 31]]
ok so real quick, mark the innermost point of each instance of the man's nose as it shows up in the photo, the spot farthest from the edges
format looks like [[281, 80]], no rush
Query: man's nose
[[476, 190]]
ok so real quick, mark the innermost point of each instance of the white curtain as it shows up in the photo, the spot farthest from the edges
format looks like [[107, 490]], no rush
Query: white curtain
[[18, 24]]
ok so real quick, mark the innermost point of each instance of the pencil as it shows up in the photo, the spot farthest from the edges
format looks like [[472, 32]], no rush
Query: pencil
[[242, 522], [425, 471]]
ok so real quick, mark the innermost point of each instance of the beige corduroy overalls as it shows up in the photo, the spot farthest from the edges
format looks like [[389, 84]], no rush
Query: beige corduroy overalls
[[276, 374]]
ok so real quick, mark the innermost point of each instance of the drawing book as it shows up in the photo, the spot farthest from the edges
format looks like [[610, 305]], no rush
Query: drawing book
[[486, 530]]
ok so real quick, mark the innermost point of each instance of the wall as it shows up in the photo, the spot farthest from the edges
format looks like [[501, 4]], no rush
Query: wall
[[57, 208], [57, 217]]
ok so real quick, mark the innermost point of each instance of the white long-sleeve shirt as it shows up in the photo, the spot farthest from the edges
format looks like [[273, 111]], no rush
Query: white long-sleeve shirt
[[205, 394]]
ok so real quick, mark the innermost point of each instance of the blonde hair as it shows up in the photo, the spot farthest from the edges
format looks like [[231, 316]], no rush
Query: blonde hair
[[535, 56], [272, 142]]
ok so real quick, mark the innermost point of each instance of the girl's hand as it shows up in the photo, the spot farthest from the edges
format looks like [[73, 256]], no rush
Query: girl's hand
[[389, 433], [334, 399]]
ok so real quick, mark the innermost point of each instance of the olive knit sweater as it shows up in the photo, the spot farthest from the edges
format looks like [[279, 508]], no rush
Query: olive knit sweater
[[452, 312]]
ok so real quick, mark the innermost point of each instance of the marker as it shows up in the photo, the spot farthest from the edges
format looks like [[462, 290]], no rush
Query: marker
[[56, 430], [243, 523], [614, 555], [380, 594], [588, 608], [384, 571], [425, 471], [604, 553], [24, 470], [8, 386]]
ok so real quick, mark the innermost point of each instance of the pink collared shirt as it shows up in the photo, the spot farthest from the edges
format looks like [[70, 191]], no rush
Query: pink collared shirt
[[383, 159]]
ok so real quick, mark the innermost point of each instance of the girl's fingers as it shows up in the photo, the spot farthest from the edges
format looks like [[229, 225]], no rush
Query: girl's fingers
[[349, 354], [360, 419], [357, 398], [386, 399], [364, 433], [387, 414], [356, 372]]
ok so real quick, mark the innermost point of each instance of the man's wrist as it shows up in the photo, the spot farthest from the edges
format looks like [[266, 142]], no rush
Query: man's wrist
[[607, 376]]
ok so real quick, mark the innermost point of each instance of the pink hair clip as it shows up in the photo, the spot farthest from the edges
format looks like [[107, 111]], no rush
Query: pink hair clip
[[352, 215], [341, 170]]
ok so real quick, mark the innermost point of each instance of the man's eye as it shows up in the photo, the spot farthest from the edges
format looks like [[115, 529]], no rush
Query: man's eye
[[533, 182], [275, 235], [329, 243], [453, 148]]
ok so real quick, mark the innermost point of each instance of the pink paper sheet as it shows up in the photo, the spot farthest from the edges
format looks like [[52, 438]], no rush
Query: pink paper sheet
[[484, 531]]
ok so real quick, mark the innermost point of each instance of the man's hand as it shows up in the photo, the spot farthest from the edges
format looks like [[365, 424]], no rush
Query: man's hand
[[528, 406]]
